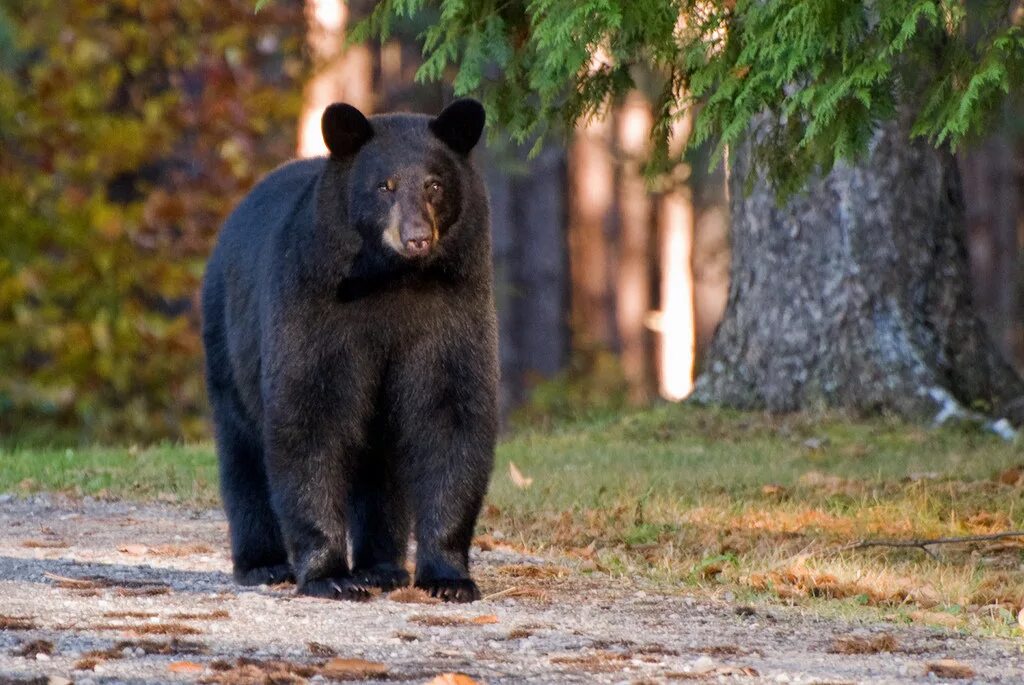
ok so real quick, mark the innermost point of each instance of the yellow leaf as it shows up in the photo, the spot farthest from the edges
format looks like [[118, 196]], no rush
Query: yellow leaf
[[185, 667], [485, 619], [351, 668], [518, 479], [133, 549], [453, 679]]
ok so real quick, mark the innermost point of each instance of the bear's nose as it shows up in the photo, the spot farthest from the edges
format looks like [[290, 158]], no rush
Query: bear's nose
[[418, 246]]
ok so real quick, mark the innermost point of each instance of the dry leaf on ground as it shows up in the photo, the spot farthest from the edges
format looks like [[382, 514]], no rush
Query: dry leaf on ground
[[949, 668], [353, 668], [854, 644], [453, 679], [133, 549], [44, 544], [518, 479], [185, 667], [449, 621], [412, 595]]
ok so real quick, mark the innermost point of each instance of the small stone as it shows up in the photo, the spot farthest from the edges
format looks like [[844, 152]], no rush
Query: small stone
[[42, 657], [704, 664], [783, 678]]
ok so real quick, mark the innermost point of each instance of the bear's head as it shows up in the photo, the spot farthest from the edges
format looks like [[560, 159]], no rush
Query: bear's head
[[408, 175]]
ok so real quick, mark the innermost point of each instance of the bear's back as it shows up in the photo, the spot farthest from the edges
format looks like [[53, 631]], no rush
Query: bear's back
[[273, 203]]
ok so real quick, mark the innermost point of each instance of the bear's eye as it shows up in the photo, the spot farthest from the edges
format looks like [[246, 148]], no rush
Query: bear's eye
[[386, 186], [434, 187]]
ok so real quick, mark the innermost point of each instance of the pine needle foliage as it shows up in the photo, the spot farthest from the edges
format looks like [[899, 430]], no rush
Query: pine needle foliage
[[822, 73]]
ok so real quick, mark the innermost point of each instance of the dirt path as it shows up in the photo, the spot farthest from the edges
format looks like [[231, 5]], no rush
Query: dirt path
[[128, 593]]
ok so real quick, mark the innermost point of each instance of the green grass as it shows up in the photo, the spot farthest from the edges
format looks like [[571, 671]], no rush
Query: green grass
[[708, 501]]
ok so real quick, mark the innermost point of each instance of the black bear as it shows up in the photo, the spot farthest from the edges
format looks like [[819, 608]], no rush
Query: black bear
[[351, 359]]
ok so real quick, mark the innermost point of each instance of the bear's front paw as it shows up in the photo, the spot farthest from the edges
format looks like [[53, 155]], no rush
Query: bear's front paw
[[387, 577], [264, 575], [450, 589], [336, 588]]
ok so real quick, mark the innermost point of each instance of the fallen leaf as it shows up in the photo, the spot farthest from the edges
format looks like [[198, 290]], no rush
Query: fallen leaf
[[44, 544], [450, 621], [484, 620], [453, 679], [412, 595], [185, 667], [853, 644], [518, 479], [532, 571], [30, 649], [949, 668], [320, 649], [16, 622], [133, 549], [351, 668]]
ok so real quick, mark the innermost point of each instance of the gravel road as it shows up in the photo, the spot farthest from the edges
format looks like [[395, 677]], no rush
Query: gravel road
[[116, 592]]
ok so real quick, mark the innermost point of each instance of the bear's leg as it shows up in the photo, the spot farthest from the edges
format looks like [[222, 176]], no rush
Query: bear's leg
[[309, 467], [379, 523], [257, 551], [447, 427]]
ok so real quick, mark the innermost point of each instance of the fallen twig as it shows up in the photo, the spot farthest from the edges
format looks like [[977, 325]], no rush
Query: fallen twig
[[500, 593], [924, 544]]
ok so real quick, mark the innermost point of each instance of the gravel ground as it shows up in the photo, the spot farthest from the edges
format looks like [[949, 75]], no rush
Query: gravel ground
[[115, 592]]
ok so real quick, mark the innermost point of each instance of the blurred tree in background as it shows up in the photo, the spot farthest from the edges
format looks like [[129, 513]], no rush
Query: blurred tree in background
[[128, 129]]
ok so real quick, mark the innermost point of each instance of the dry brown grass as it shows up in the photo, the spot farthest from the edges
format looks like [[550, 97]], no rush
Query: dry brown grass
[[874, 644], [452, 621]]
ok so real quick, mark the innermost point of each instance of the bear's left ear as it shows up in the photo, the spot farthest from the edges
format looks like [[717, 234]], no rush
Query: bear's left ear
[[345, 129], [459, 125]]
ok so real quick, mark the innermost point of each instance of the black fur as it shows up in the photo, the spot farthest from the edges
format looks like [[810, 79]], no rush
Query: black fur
[[354, 383]]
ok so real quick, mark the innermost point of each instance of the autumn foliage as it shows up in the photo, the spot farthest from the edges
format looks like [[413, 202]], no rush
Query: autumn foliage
[[128, 129]]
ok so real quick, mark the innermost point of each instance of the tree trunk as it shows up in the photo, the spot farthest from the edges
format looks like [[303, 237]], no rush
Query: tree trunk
[[990, 185], [633, 273], [856, 294], [591, 237]]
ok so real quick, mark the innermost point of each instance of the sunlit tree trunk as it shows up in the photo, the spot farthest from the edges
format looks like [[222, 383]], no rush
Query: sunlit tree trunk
[[591, 235], [633, 273], [856, 294], [676, 321], [342, 74]]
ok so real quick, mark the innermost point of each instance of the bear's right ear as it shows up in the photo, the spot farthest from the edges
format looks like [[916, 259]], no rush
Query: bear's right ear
[[345, 129]]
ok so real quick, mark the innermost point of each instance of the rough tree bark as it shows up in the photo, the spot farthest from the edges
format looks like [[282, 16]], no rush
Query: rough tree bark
[[856, 294]]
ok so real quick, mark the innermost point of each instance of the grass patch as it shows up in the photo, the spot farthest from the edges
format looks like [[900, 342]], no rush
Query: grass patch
[[709, 501]]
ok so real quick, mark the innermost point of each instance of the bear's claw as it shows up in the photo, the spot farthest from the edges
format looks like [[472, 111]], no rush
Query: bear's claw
[[450, 589], [336, 588]]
